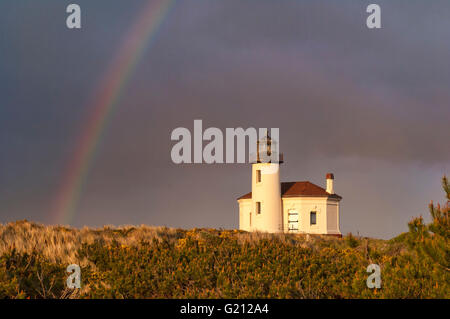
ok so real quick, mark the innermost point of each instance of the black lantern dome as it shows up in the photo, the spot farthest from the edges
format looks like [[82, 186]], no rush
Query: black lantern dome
[[267, 151]]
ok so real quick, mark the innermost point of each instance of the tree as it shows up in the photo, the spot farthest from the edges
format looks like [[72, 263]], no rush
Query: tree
[[432, 240]]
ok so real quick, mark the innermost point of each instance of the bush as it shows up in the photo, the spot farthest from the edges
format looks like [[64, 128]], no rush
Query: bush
[[148, 262]]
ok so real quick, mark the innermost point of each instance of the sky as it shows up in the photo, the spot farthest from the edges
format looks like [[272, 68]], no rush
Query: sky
[[371, 106]]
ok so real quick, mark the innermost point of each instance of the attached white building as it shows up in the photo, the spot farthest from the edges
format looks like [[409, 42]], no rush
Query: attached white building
[[294, 207]]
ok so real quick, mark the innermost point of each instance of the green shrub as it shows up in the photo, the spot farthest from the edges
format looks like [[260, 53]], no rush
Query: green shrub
[[208, 263]]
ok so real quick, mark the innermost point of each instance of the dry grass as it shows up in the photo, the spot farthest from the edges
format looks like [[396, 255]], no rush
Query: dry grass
[[59, 244], [206, 263]]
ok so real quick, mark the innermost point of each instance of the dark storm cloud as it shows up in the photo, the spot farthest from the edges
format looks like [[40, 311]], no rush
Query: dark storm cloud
[[371, 105], [388, 86]]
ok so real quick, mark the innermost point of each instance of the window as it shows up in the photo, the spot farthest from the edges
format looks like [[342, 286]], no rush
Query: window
[[313, 218], [258, 208], [258, 176]]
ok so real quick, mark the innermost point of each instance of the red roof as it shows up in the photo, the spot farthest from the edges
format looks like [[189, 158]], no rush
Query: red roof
[[294, 189]]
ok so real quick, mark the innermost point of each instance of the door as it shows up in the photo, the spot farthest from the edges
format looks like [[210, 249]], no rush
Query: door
[[293, 220]]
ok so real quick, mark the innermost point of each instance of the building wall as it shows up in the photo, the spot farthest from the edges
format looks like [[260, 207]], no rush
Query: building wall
[[245, 208], [333, 217], [327, 215], [304, 206]]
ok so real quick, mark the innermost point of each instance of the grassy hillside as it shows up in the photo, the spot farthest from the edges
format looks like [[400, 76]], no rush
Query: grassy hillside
[[157, 262]]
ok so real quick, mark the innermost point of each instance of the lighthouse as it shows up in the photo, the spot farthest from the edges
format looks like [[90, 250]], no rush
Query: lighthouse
[[266, 191], [291, 207]]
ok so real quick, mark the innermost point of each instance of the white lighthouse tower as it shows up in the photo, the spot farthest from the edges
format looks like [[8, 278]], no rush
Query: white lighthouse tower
[[266, 212]]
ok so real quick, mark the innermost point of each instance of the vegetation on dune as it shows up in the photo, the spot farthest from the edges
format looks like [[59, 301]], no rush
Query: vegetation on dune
[[157, 262]]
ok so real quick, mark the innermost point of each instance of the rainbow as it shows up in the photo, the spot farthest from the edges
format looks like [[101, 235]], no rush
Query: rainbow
[[105, 99]]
